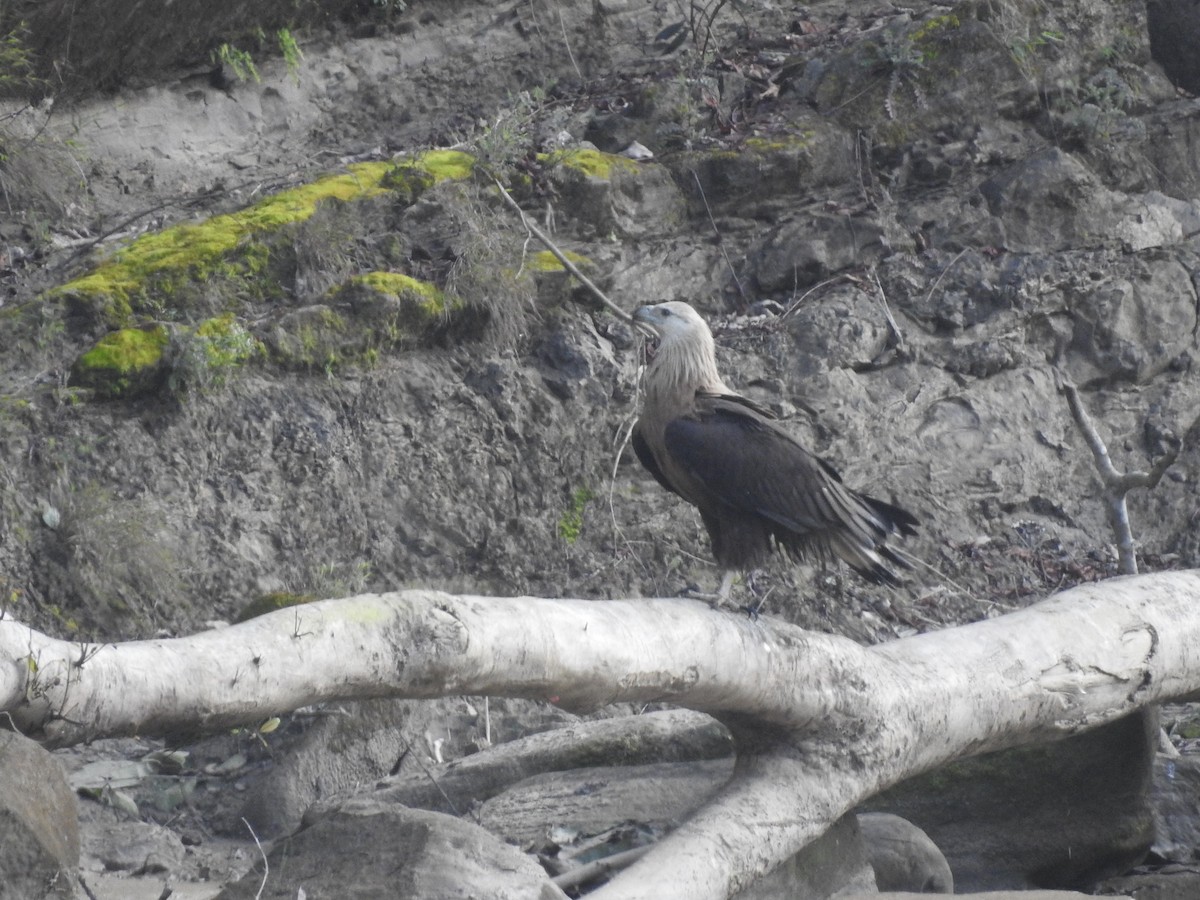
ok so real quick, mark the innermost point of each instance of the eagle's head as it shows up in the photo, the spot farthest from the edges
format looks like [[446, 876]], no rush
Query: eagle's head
[[673, 323]]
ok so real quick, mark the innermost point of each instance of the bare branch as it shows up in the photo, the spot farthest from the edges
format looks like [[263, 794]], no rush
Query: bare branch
[[1116, 484], [820, 723]]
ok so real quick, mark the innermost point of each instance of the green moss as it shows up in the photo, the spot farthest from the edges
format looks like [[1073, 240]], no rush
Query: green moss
[[10, 405], [443, 165], [927, 37], [393, 284], [145, 274], [226, 343], [411, 177], [592, 163], [781, 144], [125, 363], [545, 261]]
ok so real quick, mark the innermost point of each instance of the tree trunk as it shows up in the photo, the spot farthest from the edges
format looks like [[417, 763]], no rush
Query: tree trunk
[[820, 722]]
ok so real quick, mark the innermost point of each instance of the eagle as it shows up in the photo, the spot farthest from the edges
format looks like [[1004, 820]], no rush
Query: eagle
[[757, 489]]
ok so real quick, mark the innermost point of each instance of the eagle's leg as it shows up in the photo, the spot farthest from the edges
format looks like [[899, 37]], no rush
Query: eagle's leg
[[726, 586]]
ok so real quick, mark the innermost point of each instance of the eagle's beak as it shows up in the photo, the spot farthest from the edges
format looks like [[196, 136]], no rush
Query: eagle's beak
[[642, 322]]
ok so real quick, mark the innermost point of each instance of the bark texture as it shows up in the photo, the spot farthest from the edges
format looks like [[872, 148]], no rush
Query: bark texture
[[820, 722]]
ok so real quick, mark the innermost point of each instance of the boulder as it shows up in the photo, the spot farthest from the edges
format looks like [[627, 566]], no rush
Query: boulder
[[1061, 815], [39, 827], [903, 856], [627, 806], [138, 848], [372, 850], [1175, 796]]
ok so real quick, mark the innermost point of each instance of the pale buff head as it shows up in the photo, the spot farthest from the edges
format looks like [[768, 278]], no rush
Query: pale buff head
[[685, 359]]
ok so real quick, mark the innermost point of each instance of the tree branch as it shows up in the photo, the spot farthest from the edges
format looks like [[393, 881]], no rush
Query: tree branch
[[820, 723], [1116, 484], [562, 257]]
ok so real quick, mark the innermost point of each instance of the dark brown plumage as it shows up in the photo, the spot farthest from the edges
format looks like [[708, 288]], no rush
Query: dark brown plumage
[[757, 489]]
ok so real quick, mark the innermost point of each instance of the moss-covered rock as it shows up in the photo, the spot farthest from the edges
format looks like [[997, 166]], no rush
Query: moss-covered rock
[[313, 337], [545, 261], [171, 269], [362, 317], [589, 162], [124, 364]]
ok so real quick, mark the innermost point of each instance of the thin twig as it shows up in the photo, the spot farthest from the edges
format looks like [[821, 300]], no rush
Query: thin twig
[[570, 55], [720, 241], [266, 865], [938, 280], [562, 257], [887, 310], [795, 305], [432, 780]]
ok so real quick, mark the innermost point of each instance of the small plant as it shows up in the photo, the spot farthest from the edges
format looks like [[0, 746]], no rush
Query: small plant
[[239, 62], [291, 53], [570, 524], [16, 64], [507, 142], [202, 358]]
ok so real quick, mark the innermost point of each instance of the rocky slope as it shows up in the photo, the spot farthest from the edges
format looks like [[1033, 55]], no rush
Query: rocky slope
[[907, 220]]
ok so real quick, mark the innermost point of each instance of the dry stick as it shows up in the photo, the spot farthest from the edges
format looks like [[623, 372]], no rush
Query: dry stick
[[567, 43], [1116, 484], [599, 294], [887, 310], [598, 867], [720, 241], [938, 280], [437, 784], [561, 257], [795, 305], [266, 865]]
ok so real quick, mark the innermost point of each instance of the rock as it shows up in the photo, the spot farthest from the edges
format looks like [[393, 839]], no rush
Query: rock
[[833, 864], [1050, 200], [753, 182], [1131, 327], [368, 849], [1063, 815], [662, 736], [848, 329], [606, 194], [1173, 882], [124, 364], [39, 828], [903, 856], [983, 895], [592, 800], [1173, 796], [351, 750], [810, 248], [138, 848], [338, 756], [561, 808]]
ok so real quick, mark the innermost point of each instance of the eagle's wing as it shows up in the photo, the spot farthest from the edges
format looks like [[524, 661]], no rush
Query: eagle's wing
[[646, 458], [748, 465]]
